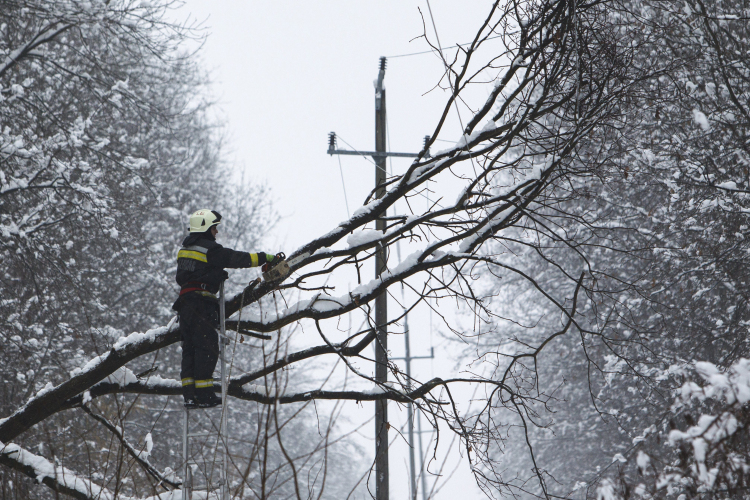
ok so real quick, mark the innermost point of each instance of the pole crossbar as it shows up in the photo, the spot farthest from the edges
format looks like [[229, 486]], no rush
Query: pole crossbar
[[414, 357], [374, 154]]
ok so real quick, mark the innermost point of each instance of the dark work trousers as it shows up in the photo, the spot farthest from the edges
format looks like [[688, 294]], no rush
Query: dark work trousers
[[199, 319]]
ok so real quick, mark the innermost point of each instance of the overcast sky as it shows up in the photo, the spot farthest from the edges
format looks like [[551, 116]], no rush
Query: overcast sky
[[286, 73]]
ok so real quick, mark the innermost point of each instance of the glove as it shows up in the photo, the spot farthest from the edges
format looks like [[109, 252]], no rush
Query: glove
[[278, 258]]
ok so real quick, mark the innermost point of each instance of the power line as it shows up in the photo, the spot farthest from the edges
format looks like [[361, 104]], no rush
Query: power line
[[447, 74], [437, 37], [346, 200], [382, 169], [432, 51], [355, 149], [445, 64]]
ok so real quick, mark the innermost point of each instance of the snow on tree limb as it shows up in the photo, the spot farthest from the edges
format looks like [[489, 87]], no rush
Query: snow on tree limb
[[45, 35], [167, 387], [50, 399], [56, 477], [62, 479], [268, 395]]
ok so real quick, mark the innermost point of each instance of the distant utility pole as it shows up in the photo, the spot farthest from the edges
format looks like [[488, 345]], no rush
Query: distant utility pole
[[410, 413], [381, 301]]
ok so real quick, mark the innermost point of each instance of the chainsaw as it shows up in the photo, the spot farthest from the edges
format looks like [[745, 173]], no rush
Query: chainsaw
[[278, 268]]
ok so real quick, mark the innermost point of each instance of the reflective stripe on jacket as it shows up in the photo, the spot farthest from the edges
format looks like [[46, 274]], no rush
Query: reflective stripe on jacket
[[201, 262]]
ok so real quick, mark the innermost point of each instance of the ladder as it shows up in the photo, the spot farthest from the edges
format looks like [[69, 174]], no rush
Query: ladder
[[220, 433]]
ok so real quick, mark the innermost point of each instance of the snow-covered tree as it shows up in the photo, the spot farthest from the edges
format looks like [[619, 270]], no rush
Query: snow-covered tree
[[666, 240], [700, 451], [105, 146]]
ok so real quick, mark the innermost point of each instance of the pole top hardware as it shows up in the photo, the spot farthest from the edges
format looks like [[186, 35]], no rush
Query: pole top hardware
[[379, 83], [332, 147]]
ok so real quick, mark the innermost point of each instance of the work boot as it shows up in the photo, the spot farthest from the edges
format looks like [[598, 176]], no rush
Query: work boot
[[188, 393], [208, 400]]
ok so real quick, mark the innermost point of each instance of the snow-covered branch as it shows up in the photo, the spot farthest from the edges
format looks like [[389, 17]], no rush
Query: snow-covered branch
[[51, 398], [45, 35], [57, 477], [271, 395]]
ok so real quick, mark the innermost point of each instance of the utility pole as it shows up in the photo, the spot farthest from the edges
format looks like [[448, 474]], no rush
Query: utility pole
[[410, 413], [422, 470], [381, 302]]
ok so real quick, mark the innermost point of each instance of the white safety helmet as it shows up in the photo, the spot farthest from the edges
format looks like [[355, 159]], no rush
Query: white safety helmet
[[202, 220]]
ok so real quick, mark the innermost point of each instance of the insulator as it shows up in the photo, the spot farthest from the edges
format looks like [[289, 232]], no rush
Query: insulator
[[382, 63], [424, 146]]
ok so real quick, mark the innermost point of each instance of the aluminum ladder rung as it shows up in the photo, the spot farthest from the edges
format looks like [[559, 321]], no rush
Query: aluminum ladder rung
[[204, 434], [218, 407]]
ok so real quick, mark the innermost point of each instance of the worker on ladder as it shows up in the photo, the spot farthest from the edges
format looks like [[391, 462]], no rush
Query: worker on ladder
[[200, 271]]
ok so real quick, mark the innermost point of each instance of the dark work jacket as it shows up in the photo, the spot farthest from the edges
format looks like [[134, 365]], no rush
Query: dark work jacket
[[201, 262]]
